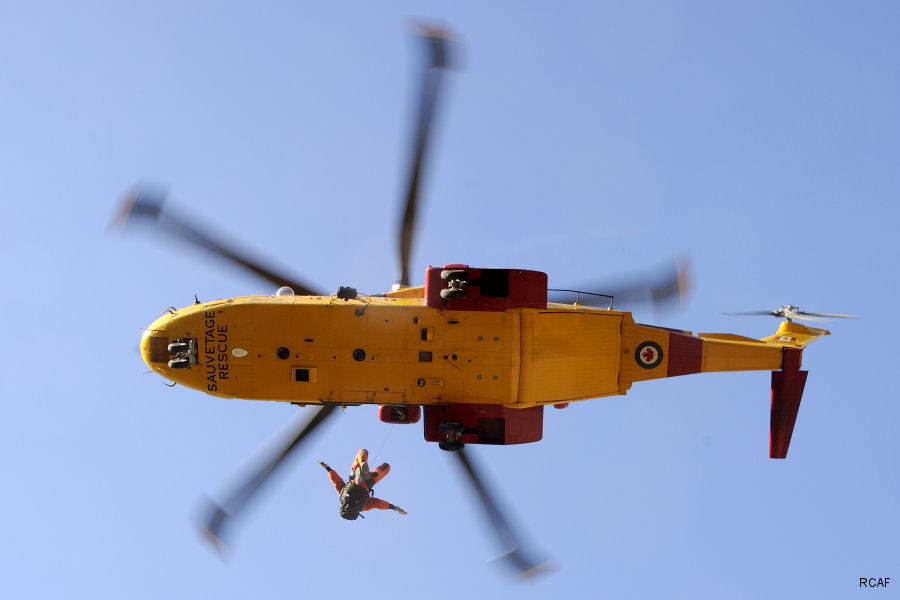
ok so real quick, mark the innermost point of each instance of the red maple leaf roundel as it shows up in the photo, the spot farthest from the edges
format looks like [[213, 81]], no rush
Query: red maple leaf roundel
[[648, 354]]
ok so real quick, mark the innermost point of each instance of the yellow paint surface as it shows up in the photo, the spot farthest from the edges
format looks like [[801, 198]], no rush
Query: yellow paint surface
[[396, 350]]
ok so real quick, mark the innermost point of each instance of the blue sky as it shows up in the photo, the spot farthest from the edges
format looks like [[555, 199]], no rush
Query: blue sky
[[587, 140]]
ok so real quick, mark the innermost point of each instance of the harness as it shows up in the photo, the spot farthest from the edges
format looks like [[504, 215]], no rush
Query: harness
[[355, 492]]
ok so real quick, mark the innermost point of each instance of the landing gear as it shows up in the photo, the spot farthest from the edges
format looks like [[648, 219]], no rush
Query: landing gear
[[451, 446], [456, 281], [453, 431], [399, 413], [451, 293], [185, 351], [453, 274]]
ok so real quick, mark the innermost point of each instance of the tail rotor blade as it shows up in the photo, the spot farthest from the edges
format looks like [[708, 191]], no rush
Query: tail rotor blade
[[513, 552], [146, 204], [436, 41], [810, 317], [825, 315], [218, 516], [791, 312]]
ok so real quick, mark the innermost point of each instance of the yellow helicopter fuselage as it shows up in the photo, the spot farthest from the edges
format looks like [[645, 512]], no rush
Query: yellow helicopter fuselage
[[396, 350]]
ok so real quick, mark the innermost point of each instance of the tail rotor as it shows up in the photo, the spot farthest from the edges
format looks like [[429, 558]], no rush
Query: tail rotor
[[791, 312]]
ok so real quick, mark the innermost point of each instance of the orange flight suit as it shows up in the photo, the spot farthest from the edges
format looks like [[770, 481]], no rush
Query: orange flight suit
[[377, 475]]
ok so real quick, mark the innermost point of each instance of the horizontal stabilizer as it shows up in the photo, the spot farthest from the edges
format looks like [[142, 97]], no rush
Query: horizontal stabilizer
[[794, 335]]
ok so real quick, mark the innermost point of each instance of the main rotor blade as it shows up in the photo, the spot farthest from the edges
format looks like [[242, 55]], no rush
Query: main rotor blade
[[436, 41], [754, 313], [514, 554], [663, 287], [146, 204], [219, 515]]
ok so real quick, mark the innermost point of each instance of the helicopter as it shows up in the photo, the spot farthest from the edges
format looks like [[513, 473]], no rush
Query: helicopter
[[475, 353]]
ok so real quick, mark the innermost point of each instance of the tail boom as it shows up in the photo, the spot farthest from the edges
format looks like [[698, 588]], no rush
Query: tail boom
[[680, 353]]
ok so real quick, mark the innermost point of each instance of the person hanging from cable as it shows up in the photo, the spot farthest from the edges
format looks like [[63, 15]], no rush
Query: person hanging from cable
[[357, 495]]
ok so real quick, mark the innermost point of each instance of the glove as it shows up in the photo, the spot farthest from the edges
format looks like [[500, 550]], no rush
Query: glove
[[323, 465], [398, 509]]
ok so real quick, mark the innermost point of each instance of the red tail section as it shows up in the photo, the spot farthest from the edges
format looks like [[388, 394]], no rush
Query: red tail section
[[787, 389]]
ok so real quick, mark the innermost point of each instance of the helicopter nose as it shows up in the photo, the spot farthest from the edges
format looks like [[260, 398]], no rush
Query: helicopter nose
[[155, 343]]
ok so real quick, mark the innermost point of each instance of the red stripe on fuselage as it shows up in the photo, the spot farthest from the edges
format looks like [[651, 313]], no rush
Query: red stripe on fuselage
[[685, 354]]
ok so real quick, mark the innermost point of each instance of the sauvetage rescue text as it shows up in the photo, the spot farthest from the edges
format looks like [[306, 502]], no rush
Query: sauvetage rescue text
[[215, 350]]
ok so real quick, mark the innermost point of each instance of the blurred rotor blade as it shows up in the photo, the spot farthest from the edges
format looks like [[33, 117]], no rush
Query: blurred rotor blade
[[668, 285], [145, 204], [513, 552], [438, 48], [791, 312], [824, 315], [809, 317], [217, 516]]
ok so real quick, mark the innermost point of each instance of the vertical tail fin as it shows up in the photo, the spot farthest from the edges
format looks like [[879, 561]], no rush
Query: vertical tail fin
[[787, 390]]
